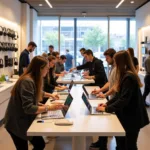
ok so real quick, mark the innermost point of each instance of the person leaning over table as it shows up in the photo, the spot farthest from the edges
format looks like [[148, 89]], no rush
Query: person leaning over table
[[128, 103], [23, 105], [109, 54], [50, 83], [95, 67]]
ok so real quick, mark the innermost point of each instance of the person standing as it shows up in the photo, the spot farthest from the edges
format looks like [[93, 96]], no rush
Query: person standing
[[128, 102], [95, 67], [82, 50], [69, 60], [24, 57], [60, 66], [134, 59], [109, 55], [147, 78], [24, 104], [51, 50]]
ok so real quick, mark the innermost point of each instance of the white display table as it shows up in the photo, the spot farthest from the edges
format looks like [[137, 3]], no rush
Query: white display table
[[84, 124]]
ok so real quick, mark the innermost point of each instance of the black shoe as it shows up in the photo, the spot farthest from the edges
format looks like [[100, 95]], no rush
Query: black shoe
[[95, 146]]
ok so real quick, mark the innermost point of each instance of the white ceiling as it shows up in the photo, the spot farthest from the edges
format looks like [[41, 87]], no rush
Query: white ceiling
[[91, 7]]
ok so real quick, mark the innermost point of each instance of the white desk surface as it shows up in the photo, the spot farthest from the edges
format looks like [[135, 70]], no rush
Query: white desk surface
[[76, 80], [84, 123]]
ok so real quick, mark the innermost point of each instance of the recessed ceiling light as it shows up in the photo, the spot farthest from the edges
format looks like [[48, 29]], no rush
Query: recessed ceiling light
[[40, 4], [132, 2]]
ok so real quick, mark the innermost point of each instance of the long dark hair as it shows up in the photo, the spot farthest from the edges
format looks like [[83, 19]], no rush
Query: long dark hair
[[124, 64], [34, 72], [51, 58], [131, 52]]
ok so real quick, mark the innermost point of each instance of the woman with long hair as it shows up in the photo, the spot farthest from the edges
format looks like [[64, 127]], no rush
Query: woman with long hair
[[133, 58], [128, 103], [23, 105]]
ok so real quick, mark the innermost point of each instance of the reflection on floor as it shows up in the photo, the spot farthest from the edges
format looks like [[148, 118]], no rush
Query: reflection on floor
[[64, 143]]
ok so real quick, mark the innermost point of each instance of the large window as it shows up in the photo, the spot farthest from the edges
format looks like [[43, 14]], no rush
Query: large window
[[132, 34], [48, 35], [67, 35], [92, 34], [118, 33]]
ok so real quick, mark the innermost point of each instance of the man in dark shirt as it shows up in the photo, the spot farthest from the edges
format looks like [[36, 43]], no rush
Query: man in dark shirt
[[95, 67], [24, 57], [60, 64], [51, 49], [82, 50], [69, 60]]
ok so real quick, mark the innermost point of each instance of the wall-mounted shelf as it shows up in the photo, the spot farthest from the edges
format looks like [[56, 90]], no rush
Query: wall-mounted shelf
[[145, 43]]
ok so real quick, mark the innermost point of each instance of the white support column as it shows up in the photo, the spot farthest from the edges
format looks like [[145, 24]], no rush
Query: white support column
[[33, 28], [25, 25]]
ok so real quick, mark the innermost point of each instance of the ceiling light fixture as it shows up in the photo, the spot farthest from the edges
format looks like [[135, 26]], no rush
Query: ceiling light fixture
[[40, 4], [49, 3], [132, 2], [120, 3]]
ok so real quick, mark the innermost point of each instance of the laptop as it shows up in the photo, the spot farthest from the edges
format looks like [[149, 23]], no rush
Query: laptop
[[92, 109], [58, 114], [89, 95], [65, 92]]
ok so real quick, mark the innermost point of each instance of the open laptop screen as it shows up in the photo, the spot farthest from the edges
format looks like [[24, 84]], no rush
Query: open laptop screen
[[70, 86], [88, 105], [85, 91], [67, 104]]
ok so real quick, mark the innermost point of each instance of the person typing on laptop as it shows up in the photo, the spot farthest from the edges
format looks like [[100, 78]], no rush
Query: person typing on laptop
[[23, 105], [95, 67], [127, 103], [109, 54]]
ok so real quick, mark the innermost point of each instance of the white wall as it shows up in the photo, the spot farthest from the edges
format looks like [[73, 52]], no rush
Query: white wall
[[33, 27], [10, 17], [142, 20], [143, 16]]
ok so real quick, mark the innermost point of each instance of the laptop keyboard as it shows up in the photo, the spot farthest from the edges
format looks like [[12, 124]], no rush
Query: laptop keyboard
[[53, 114]]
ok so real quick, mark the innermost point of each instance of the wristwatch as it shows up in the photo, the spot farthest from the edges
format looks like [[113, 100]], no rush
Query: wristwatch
[[46, 108]]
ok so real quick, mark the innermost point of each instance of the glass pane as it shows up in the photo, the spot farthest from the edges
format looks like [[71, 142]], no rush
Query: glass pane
[[67, 36], [118, 33], [48, 35], [133, 35], [92, 34]]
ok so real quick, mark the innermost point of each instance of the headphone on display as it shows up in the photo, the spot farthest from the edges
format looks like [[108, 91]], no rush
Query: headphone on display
[[1, 63], [16, 47], [1, 30], [1, 46], [16, 61], [16, 35], [4, 31]]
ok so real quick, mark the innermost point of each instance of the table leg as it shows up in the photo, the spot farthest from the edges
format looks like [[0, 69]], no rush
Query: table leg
[[79, 143]]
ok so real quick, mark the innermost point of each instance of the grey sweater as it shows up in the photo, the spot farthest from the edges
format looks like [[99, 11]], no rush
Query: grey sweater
[[21, 109]]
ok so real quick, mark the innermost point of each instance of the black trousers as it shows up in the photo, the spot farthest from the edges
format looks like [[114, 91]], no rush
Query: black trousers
[[147, 87], [129, 142], [21, 144]]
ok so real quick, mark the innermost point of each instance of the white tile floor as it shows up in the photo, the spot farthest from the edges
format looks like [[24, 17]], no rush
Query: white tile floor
[[64, 143]]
